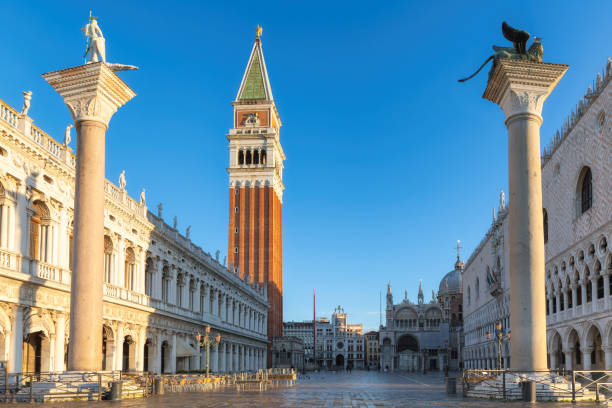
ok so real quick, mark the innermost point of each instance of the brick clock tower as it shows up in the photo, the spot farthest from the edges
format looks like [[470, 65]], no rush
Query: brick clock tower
[[255, 244]]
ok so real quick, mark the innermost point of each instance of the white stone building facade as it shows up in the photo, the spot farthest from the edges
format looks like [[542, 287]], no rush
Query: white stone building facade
[[160, 289], [339, 344], [577, 201]]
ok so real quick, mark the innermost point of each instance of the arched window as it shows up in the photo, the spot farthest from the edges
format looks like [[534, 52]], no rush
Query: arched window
[[545, 224], [263, 156], [240, 157], [589, 285], [179, 290], [477, 288], [166, 283], [469, 296], [6, 211], [249, 159], [585, 191], [255, 157], [192, 290], [149, 277], [202, 298], [130, 269], [578, 289], [108, 259], [41, 233], [600, 280]]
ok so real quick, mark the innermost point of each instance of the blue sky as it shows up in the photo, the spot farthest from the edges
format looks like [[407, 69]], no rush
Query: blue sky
[[389, 159]]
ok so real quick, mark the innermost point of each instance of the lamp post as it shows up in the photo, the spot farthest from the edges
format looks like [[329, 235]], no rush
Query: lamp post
[[499, 334], [206, 341]]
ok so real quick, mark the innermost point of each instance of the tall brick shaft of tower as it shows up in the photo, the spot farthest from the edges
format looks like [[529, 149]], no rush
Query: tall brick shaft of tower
[[255, 243]]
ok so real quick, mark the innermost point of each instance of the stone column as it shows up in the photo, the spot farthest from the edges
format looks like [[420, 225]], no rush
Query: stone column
[[173, 354], [565, 299], [231, 358], [583, 289], [60, 325], [607, 290], [569, 364], [214, 359], [586, 357], [157, 359], [118, 343], [520, 88], [608, 357], [16, 344], [558, 295], [93, 93], [553, 360]]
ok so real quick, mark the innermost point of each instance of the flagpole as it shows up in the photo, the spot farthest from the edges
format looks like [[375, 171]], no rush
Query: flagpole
[[314, 326]]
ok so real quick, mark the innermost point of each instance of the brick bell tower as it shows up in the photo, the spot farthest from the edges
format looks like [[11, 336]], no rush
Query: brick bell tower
[[255, 244]]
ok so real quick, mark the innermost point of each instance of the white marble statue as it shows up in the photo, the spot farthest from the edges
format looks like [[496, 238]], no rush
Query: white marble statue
[[217, 255], [122, 182], [143, 199], [96, 46], [27, 97], [188, 231], [502, 200], [159, 210], [67, 137], [175, 221]]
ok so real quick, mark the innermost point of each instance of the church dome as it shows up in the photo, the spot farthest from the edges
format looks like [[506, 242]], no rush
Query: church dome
[[452, 282]]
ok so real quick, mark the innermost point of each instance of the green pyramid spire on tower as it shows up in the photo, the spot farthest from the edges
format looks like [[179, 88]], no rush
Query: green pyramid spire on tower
[[254, 84]]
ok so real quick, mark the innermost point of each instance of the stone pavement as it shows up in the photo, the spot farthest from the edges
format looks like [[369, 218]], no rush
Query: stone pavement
[[359, 389]]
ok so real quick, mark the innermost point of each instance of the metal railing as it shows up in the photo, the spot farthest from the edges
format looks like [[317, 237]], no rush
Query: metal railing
[[35, 387], [502, 384]]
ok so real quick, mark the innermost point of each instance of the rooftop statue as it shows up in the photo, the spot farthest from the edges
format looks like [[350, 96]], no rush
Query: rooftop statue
[[519, 49], [67, 137], [27, 98]]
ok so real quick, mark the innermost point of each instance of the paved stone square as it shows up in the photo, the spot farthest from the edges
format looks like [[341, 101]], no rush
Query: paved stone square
[[358, 389]]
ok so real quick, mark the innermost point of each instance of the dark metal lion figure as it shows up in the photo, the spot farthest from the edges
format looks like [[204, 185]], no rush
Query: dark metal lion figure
[[519, 38]]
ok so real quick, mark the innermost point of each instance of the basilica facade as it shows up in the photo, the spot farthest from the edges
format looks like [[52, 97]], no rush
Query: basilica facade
[[160, 288], [577, 214], [423, 336]]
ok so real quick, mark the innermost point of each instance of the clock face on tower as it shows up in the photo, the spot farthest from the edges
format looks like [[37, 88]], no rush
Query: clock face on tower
[[340, 345]]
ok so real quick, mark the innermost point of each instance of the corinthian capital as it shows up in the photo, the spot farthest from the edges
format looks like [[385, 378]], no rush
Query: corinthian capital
[[521, 101], [521, 86], [91, 91]]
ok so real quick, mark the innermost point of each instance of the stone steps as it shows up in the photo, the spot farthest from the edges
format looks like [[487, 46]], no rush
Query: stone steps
[[548, 388]]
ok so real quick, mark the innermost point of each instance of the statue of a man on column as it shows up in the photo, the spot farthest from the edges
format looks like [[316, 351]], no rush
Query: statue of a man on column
[[96, 46]]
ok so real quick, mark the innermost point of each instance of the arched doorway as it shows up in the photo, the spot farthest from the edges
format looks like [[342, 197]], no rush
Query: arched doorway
[[108, 348], [128, 354], [36, 355], [408, 353], [165, 354], [573, 343], [147, 354], [340, 360], [594, 359], [557, 358]]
